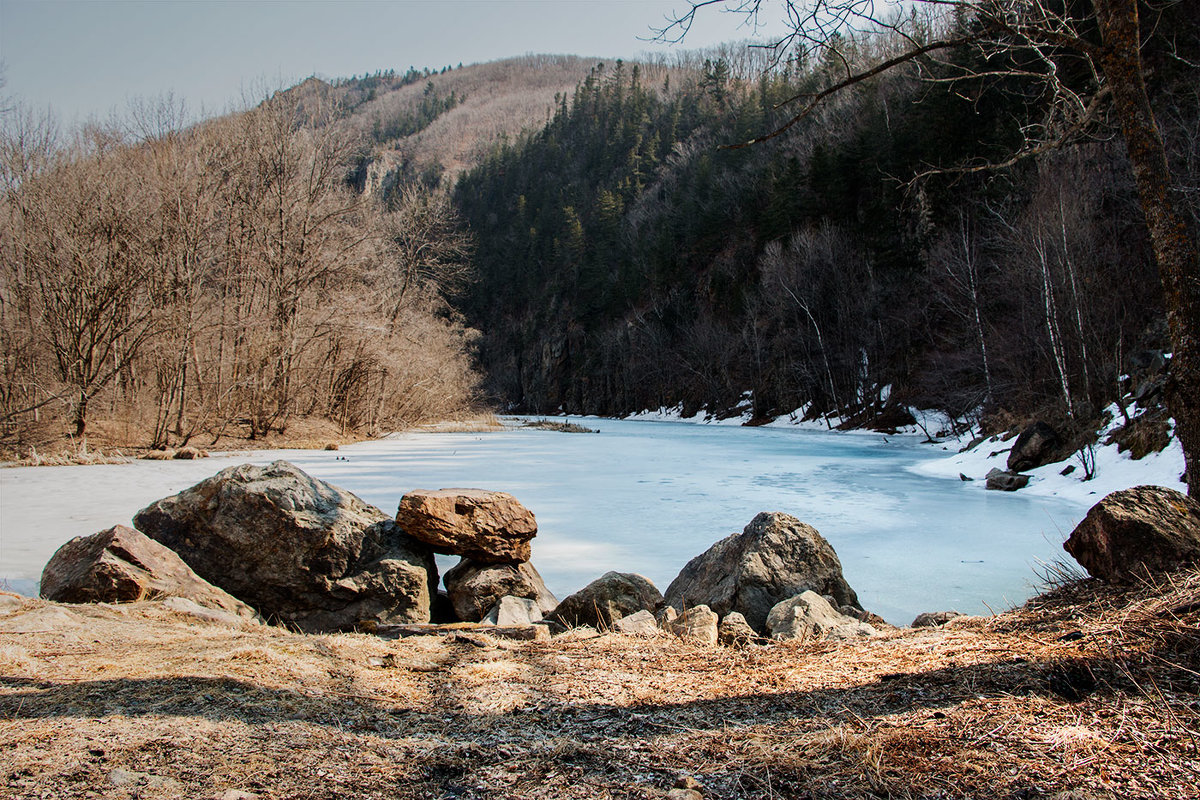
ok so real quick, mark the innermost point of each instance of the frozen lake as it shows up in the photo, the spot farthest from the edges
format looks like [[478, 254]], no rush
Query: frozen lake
[[639, 496]]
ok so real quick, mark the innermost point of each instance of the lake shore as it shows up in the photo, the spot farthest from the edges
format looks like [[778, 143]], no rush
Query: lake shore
[[1087, 690]]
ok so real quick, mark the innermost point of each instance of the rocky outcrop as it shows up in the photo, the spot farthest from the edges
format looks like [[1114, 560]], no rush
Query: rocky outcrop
[[776, 557], [298, 549], [607, 599], [999, 480], [1037, 445], [121, 565], [486, 527], [810, 616], [474, 588], [1137, 533]]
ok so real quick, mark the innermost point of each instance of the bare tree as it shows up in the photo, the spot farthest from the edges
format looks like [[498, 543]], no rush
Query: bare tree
[[1103, 37], [425, 245]]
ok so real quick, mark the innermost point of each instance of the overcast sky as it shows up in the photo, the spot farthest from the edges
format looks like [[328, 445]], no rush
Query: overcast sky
[[88, 57]]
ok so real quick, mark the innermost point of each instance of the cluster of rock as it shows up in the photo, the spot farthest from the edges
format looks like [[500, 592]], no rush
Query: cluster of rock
[[1039, 444], [274, 544], [253, 544]]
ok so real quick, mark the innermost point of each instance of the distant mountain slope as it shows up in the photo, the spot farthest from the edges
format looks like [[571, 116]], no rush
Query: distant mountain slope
[[459, 114]]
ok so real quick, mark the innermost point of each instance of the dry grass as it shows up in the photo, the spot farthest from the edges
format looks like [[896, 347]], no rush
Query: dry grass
[[1085, 690], [484, 422]]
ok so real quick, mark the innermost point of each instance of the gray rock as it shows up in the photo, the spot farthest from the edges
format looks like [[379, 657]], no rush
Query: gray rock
[[734, 631], [474, 588], [999, 480], [607, 599], [298, 549], [641, 623], [776, 557], [512, 611], [933, 619], [121, 565], [1037, 445], [697, 624], [1137, 533], [809, 616], [486, 527]]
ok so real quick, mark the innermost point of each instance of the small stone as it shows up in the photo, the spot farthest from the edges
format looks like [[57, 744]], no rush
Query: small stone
[[697, 624], [963, 477], [734, 631], [934, 619], [641, 623], [124, 777], [512, 611]]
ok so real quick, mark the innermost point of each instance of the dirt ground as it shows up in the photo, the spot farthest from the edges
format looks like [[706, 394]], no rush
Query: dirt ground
[[1085, 693]]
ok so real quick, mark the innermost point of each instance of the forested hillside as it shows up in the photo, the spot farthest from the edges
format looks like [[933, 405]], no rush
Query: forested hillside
[[165, 281], [626, 262]]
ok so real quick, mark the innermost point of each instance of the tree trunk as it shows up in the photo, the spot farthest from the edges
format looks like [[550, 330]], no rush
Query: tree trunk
[[80, 415], [1174, 248]]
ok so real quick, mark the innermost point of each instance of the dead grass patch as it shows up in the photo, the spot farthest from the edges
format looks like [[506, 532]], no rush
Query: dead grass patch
[[1086, 689]]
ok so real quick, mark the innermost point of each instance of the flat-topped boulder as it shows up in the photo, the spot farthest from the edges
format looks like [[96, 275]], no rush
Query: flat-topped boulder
[[775, 558], [121, 565], [484, 526], [1137, 533], [298, 549]]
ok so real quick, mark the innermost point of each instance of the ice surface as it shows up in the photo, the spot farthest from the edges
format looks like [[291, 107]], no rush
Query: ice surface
[[640, 496]]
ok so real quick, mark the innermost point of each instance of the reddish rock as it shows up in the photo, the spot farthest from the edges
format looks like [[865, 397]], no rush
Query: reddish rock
[[486, 527], [120, 565], [1136, 533]]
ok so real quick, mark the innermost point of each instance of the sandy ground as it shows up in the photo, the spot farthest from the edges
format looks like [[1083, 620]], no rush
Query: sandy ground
[[1084, 690]]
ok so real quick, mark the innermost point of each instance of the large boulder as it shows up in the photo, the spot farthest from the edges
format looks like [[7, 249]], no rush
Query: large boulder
[[301, 551], [120, 565], [1136, 533], [776, 557], [475, 588], [810, 616], [607, 599], [486, 527], [1037, 445]]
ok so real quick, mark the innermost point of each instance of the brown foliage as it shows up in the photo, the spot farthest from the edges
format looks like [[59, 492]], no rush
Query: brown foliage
[[220, 278]]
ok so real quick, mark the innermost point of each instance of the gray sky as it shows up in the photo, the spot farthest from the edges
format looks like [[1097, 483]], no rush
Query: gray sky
[[88, 57]]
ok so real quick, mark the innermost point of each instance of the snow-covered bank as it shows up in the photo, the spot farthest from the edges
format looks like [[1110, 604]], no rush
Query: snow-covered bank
[[1112, 470]]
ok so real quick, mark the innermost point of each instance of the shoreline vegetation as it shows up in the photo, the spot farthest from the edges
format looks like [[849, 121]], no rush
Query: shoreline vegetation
[[1086, 692]]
